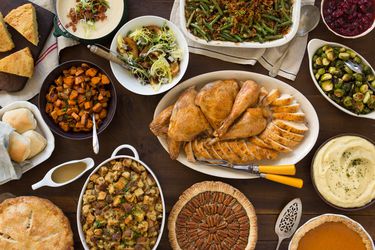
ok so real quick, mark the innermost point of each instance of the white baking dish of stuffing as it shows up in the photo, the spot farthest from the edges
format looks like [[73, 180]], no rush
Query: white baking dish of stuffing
[[121, 205]]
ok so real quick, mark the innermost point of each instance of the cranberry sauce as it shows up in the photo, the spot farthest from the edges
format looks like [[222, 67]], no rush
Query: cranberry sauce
[[349, 17]]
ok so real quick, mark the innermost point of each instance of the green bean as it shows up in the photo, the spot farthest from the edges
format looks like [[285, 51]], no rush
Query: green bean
[[238, 38], [227, 26], [215, 20], [209, 27], [286, 16], [287, 23], [267, 29], [199, 30], [190, 18], [198, 1], [272, 18], [228, 38], [259, 29], [205, 11], [218, 7], [276, 4]]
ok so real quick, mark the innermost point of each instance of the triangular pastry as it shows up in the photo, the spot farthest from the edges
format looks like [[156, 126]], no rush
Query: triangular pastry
[[23, 19], [6, 42], [19, 63]]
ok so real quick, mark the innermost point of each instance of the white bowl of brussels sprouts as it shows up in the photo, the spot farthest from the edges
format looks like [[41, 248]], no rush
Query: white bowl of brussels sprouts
[[347, 90]]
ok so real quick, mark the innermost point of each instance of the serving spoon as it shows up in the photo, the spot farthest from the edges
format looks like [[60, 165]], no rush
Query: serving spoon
[[310, 17], [358, 69], [95, 140]]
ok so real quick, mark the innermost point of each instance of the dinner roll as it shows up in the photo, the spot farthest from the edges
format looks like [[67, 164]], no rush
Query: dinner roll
[[19, 147], [37, 142], [21, 119]]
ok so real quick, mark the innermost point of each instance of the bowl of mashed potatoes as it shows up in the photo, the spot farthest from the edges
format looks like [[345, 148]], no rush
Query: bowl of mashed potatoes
[[343, 172]]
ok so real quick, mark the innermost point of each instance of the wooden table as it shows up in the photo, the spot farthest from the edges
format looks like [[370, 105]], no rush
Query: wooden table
[[134, 113]]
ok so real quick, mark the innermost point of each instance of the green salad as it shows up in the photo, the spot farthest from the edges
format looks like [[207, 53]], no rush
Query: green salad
[[152, 54]]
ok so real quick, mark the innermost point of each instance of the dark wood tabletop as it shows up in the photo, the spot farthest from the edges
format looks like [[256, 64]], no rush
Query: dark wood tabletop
[[135, 112]]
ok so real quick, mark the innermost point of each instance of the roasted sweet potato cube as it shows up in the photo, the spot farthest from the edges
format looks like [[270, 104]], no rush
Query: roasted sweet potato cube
[[81, 99], [105, 79], [89, 124], [49, 107], [60, 112], [78, 80], [54, 114], [72, 102], [75, 116], [68, 80], [73, 70], [91, 72], [103, 114], [84, 119], [88, 105], [100, 98], [97, 107], [58, 103], [95, 80], [79, 125], [64, 126], [79, 71], [59, 80], [73, 94]]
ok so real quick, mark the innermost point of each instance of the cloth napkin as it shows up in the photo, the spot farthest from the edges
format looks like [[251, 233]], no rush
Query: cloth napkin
[[48, 60], [8, 171], [266, 57]]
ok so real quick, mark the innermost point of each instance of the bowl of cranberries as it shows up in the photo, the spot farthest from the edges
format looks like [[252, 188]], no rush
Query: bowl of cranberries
[[349, 18]]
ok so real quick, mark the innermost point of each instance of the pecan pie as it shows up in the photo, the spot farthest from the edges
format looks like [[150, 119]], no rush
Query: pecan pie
[[29, 223], [212, 215], [333, 232]]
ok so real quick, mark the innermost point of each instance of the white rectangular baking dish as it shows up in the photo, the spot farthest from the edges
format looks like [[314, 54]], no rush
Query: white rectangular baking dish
[[269, 44], [41, 128]]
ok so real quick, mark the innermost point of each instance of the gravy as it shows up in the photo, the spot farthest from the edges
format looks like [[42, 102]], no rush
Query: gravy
[[68, 172]]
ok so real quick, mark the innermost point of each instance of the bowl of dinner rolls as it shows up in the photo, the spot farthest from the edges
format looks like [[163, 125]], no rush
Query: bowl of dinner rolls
[[31, 142]]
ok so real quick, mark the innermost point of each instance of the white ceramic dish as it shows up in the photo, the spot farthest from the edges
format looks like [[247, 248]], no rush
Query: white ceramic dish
[[114, 156], [292, 32], [102, 28], [41, 128], [337, 34], [269, 83], [312, 47], [340, 215], [48, 180], [126, 78]]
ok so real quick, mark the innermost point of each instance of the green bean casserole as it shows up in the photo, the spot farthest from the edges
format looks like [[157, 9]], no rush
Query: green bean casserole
[[239, 20]]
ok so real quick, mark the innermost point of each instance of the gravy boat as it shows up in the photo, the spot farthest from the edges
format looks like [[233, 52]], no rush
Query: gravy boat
[[48, 180]]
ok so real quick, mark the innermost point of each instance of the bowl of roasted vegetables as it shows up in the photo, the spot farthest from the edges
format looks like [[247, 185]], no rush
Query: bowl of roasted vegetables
[[72, 94], [343, 77], [238, 23], [121, 205], [155, 52]]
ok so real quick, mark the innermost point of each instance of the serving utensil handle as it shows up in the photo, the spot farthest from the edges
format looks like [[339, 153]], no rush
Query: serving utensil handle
[[290, 181], [105, 54], [282, 169]]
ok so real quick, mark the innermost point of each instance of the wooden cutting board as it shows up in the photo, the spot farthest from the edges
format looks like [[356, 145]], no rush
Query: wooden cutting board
[[44, 17]]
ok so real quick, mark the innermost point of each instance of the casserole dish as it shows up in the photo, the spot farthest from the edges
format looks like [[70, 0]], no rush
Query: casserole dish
[[108, 209], [102, 30], [269, 44]]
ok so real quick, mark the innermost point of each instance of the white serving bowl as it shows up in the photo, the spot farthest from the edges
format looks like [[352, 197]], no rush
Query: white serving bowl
[[275, 43], [114, 156], [343, 36], [312, 47], [41, 128], [129, 81]]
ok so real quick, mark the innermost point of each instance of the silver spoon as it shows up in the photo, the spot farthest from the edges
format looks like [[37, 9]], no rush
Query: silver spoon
[[288, 220], [358, 69], [309, 19], [95, 140]]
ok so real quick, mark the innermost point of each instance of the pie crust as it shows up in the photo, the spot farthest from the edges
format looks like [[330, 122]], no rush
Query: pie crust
[[213, 213], [29, 222], [330, 218]]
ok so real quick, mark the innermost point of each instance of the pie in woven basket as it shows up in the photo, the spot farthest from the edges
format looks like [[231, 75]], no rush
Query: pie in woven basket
[[333, 232], [212, 215], [31, 223]]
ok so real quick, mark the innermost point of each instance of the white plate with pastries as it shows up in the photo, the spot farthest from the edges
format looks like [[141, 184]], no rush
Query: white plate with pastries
[[32, 126], [284, 132]]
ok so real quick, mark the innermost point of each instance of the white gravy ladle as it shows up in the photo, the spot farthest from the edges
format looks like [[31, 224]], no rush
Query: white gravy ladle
[[65, 173]]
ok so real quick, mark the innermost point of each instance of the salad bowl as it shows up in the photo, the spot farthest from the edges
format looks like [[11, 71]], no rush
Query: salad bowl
[[126, 78]]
